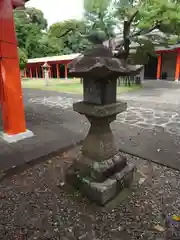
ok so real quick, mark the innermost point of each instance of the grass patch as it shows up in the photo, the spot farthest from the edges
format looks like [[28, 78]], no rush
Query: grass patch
[[67, 86]]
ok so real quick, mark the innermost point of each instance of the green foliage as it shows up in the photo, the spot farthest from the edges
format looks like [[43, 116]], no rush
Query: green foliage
[[99, 14], [144, 23], [22, 59], [30, 24], [147, 23], [49, 47], [38, 41], [72, 42], [36, 17], [96, 7]]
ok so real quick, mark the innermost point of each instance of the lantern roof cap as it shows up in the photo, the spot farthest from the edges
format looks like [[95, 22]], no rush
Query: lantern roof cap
[[100, 63]]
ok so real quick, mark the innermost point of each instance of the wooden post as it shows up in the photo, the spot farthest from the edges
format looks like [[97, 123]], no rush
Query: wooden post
[[50, 72], [42, 72], [12, 100], [31, 76], [25, 73], [36, 73], [177, 66], [66, 72], [159, 67], [57, 70]]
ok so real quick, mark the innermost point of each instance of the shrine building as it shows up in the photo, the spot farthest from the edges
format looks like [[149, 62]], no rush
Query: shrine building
[[165, 65], [58, 66]]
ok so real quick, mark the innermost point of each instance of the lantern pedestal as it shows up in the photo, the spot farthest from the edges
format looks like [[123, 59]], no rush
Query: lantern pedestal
[[46, 70], [100, 172]]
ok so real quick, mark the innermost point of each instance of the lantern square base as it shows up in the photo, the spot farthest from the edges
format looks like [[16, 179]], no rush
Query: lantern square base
[[16, 137], [101, 189]]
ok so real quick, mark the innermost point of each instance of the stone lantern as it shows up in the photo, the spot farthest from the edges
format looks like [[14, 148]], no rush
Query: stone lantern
[[46, 69], [100, 171]]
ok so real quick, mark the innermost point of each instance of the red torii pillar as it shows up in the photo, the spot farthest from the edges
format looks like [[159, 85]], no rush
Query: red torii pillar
[[66, 71], [57, 71], [11, 92], [177, 73], [158, 77]]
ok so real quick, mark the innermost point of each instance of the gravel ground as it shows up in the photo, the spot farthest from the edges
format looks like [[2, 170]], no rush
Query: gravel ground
[[36, 204]]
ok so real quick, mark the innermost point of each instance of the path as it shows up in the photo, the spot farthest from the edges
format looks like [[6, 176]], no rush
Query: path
[[150, 128], [155, 106]]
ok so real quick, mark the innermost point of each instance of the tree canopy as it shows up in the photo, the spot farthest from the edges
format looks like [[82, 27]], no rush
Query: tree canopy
[[147, 23], [100, 15], [72, 42], [36, 40], [30, 24], [144, 23], [138, 22]]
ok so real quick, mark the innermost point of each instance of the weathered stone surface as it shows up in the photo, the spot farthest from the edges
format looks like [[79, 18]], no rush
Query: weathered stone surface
[[100, 63], [100, 92], [101, 170], [124, 178], [99, 173], [100, 110], [102, 192], [99, 143]]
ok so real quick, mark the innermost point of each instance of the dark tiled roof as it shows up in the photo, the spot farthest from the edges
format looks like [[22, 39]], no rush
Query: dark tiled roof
[[115, 41]]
